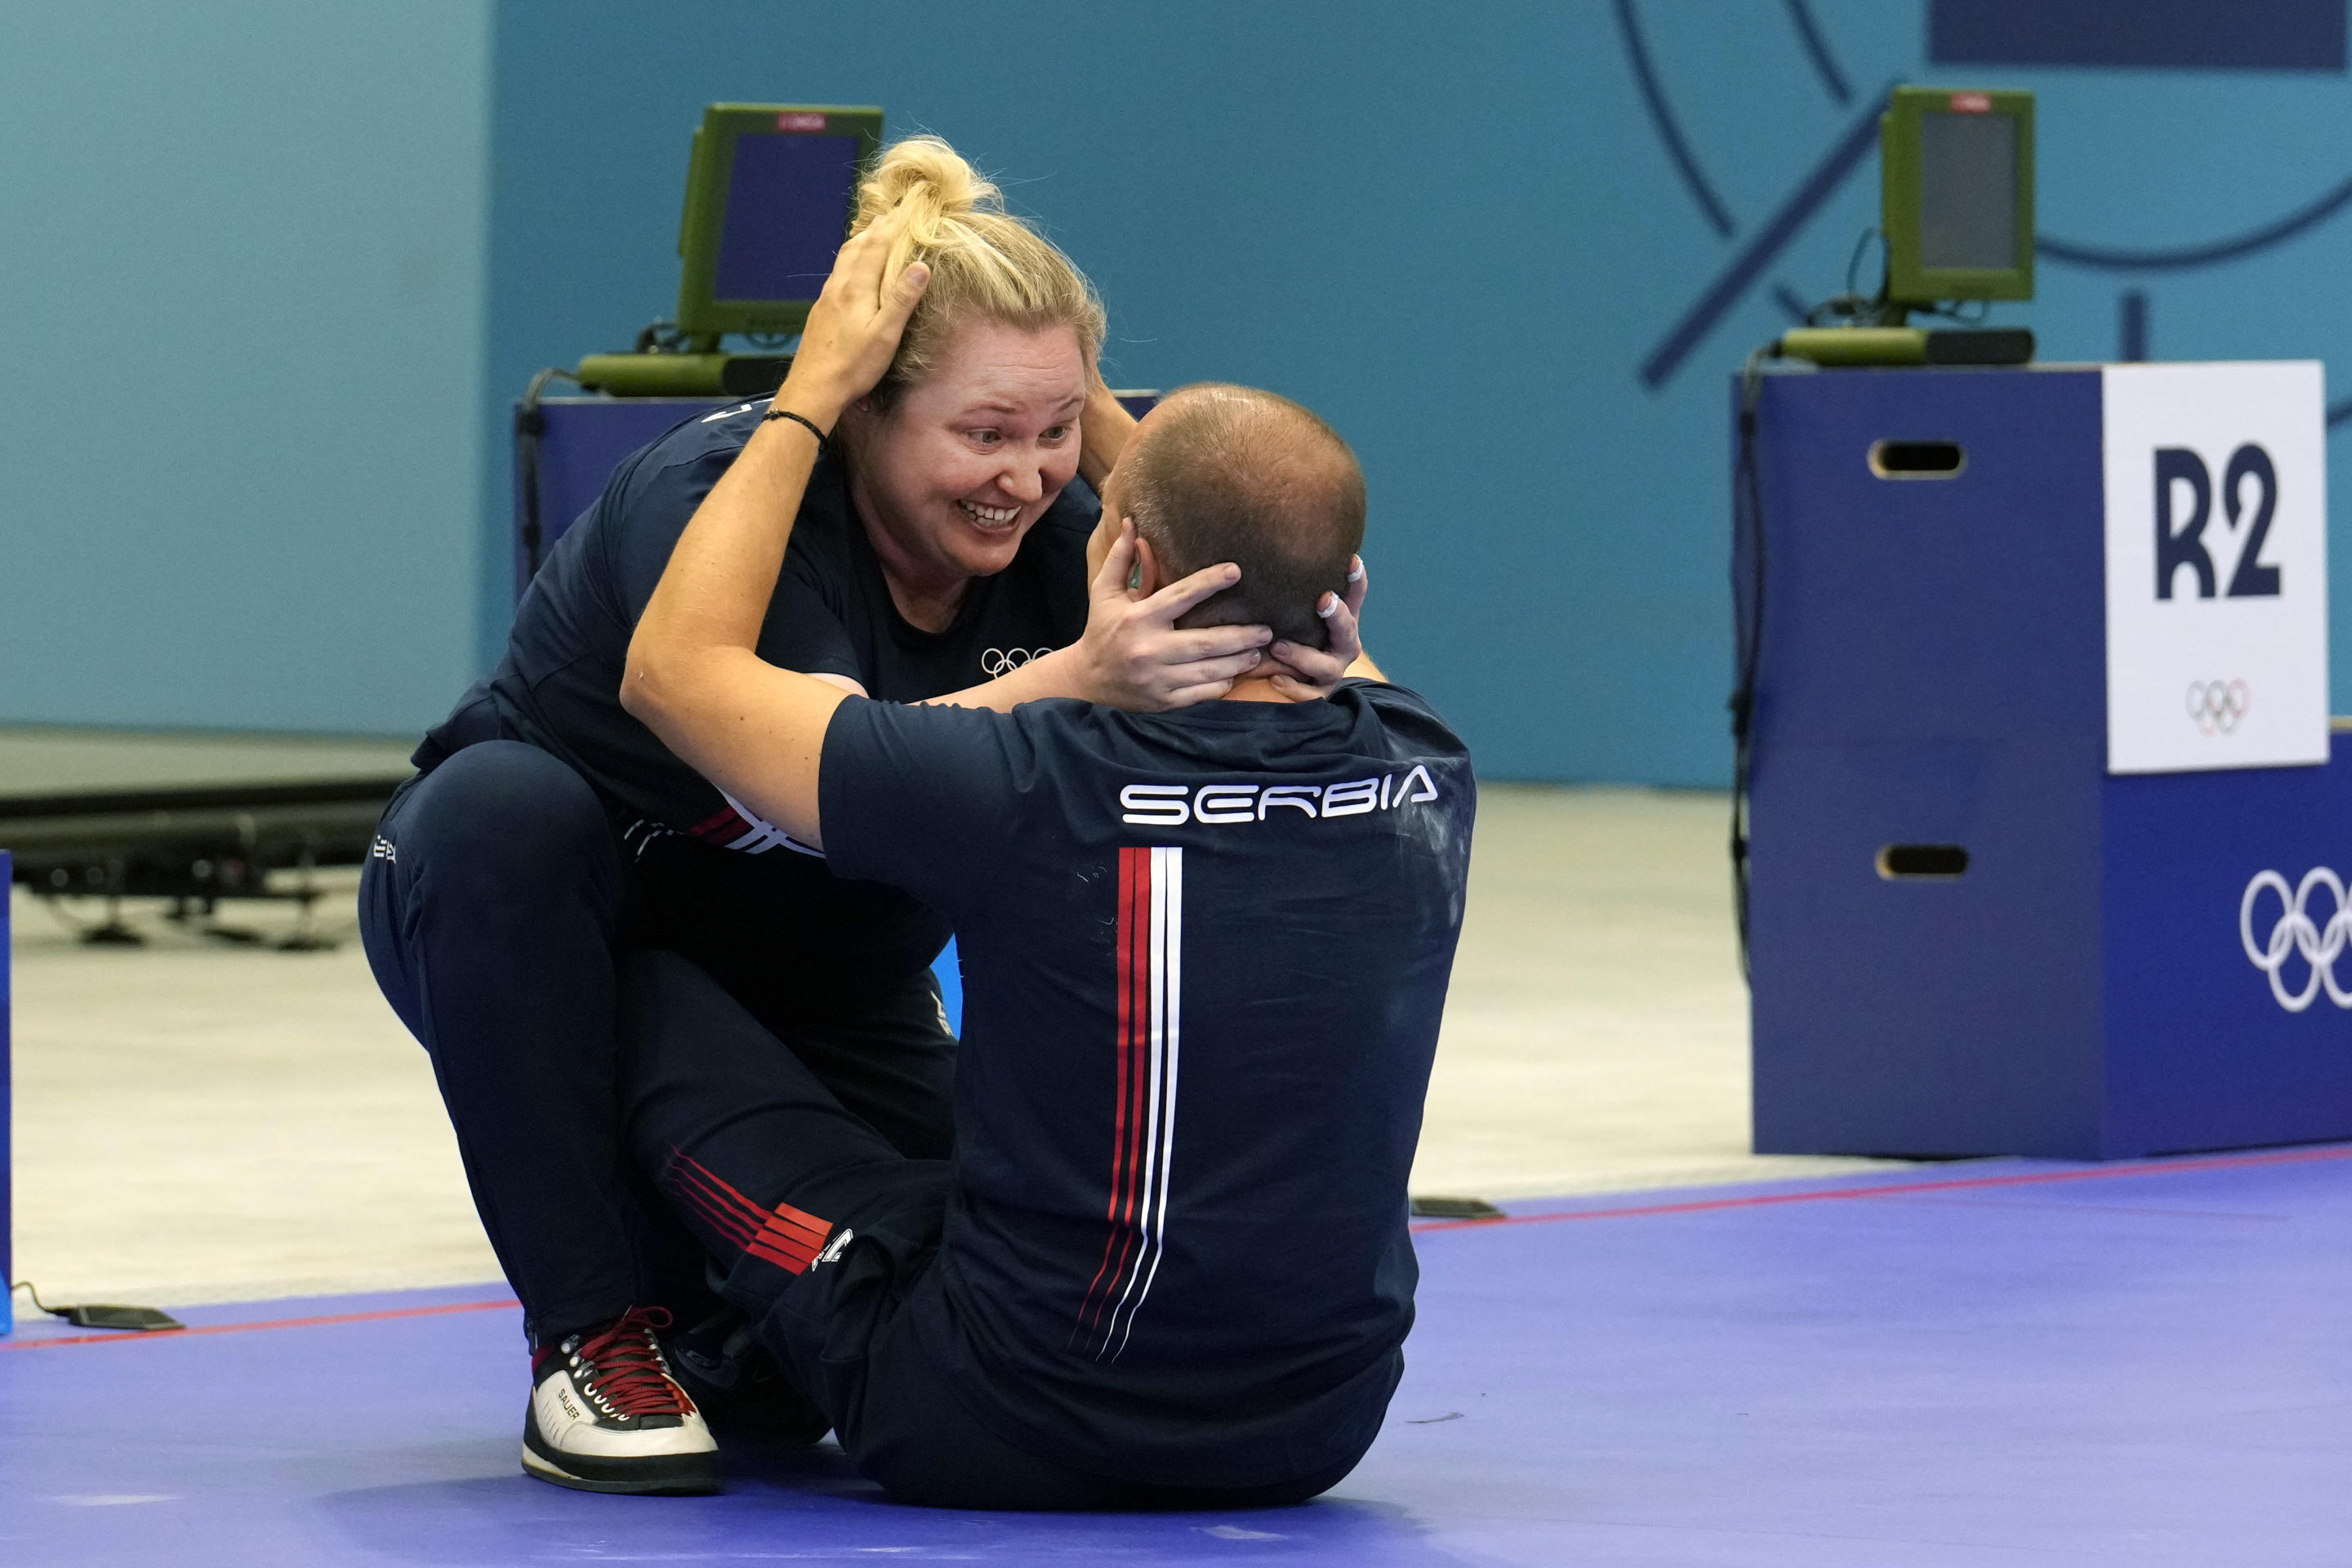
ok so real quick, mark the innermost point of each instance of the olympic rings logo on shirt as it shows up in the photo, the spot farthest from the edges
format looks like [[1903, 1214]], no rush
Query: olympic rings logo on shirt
[[2217, 705], [999, 661], [2296, 932]]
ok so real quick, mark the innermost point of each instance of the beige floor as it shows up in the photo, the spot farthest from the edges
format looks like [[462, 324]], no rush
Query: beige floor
[[1596, 1034], [196, 1122]]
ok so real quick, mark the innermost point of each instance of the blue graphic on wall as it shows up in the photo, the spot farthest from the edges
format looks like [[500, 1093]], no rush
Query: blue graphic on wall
[[2151, 118]]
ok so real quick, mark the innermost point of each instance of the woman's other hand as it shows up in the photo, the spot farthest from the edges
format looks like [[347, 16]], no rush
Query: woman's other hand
[[854, 326], [1306, 673], [1132, 655]]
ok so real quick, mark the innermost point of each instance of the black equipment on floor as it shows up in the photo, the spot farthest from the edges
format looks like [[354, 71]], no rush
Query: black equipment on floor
[[193, 845]]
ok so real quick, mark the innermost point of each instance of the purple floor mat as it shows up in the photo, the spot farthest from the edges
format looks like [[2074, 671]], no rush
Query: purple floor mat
[[2000, 1363]]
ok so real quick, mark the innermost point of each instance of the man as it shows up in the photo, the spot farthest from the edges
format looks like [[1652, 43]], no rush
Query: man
[[1205, 956]]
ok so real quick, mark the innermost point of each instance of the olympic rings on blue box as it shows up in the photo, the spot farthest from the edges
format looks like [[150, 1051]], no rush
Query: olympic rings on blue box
[[2298, 932]]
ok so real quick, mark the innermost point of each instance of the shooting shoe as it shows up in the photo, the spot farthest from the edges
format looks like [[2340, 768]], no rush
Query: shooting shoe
[[607, 1417]]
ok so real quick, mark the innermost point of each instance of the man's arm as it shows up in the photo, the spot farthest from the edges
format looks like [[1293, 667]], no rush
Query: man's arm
[[693, 677], [1102, 431]]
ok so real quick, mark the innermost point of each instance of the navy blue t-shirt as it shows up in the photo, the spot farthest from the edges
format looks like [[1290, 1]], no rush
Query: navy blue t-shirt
[[558, 687], [1205, 953]]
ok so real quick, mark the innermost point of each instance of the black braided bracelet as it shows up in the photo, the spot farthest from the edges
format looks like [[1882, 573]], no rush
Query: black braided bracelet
[[806, 424]]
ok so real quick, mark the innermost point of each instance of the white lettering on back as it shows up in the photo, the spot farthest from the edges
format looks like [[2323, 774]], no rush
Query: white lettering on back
[[1299, 797], [1155, 805], [1173, 806], [1351, 799], [1224, 802]]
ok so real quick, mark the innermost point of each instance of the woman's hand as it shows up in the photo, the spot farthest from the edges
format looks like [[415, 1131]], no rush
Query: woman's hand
[[854, 326], [1303, 674], [1132, 655]]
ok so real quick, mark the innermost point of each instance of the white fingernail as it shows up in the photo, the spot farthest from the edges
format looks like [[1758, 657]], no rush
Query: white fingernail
[[1355, 572], [1328, 607]]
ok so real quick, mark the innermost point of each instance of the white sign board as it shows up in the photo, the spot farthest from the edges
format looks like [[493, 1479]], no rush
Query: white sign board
[[2217, 565]]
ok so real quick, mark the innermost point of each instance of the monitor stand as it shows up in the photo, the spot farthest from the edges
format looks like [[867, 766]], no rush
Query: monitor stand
[[1910, 345], [690, 374]]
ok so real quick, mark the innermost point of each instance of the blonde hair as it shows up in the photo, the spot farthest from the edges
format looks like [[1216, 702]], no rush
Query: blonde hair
[[984, 261]]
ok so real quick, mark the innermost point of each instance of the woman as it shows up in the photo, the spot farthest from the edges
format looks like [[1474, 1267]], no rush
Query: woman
[[941, 554]]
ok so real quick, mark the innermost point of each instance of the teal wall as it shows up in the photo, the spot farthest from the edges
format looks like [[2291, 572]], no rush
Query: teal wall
[[1461, 235], [1389, 215], [241, 245]]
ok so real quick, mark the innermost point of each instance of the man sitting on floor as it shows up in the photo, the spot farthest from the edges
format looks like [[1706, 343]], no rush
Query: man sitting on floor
[[1205, 954]]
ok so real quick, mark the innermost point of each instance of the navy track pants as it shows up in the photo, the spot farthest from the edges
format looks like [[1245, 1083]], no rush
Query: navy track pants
[[495, 912]]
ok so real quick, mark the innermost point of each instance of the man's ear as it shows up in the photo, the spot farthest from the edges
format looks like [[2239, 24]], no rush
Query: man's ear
[[1148, 578]]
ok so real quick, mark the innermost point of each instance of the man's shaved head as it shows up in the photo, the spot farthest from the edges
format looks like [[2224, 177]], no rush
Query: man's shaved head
[[1230, 473]]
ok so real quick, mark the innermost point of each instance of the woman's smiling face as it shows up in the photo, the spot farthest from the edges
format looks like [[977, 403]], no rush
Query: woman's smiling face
[[951, 477]]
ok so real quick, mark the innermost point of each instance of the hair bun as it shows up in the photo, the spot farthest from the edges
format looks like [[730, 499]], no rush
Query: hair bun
[[982, 259], [937, 179]]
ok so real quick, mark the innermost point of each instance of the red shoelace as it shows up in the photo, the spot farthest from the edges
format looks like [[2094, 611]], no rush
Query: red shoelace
[[622, 1366]]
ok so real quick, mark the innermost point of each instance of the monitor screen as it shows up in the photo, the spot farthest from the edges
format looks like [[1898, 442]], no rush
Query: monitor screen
[[1967, 191], [788, 205]]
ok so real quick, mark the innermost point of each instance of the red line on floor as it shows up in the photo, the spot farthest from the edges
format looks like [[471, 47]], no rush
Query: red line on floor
[[327, 1321], [1902, 1189], [1699, 1205]]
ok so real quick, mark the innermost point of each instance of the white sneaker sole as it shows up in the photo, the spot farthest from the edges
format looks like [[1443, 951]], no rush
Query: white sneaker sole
[[661, 1475]]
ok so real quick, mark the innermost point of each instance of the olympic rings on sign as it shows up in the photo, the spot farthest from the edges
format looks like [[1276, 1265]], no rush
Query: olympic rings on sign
[[2217, 705], [2296, 932]]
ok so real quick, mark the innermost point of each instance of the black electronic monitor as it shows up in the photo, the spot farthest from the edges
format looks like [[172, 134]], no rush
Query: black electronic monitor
[[1957, 167], [769, 199]]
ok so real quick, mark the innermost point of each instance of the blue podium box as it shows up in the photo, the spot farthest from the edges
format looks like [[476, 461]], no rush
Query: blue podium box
[[581, 441], [2105, 979]]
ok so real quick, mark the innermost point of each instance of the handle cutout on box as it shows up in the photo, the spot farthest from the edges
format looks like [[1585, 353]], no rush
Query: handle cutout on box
[[1917, 459], [1922, 862]]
